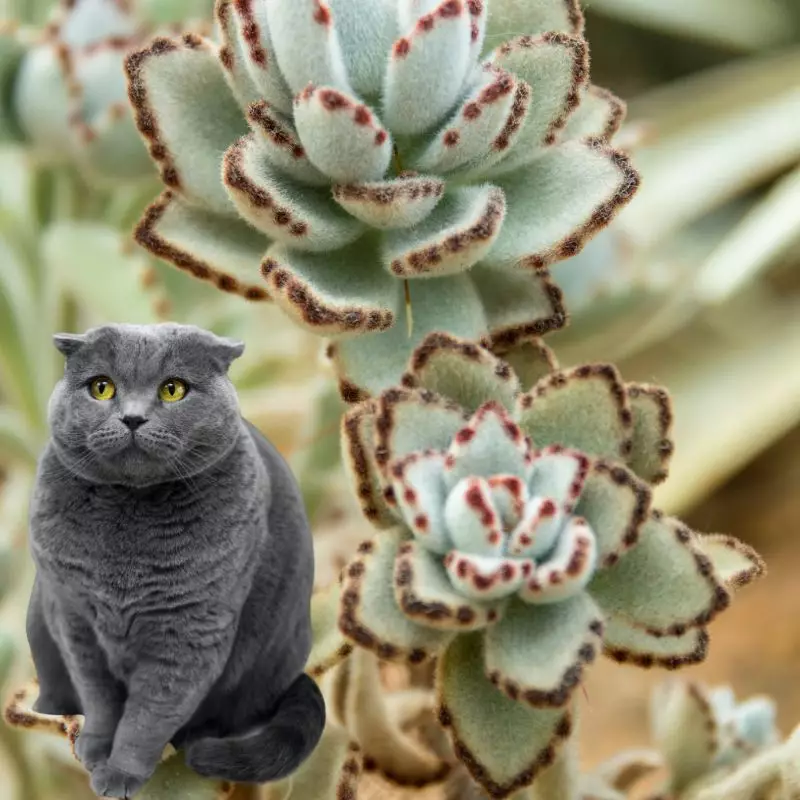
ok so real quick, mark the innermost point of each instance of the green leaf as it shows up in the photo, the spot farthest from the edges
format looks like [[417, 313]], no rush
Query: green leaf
[[91, 22], [735, 563], [571, 192], [537, 654], [684, 730], [173, 778], [616, 505], [333, 769], [530, 359], [338, 292], [397, 203], [585, 408], [281, 146], [250, 57], [366, 30], [12, 52], [369, 614], [518, 305], [300, 217], [168, 83], [425, 594], [418, 490], [18, 443], [503, 743], [306, 44], [226, 252], [427, 69], [522, 17], [664, 584], [458, 233], [341, 135], [329, 647], [651, 447], [599, 115], [462, 371], [627, 644], [358, 447], [91, 263], [556, 67], [369, 364], [489, 444], [483, 127]]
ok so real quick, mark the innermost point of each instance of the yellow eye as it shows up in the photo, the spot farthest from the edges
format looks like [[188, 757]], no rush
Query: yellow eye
[[172, 390], [102, 388]]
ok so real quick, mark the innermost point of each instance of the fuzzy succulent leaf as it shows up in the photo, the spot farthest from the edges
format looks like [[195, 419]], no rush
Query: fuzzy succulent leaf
[[529, 358], [599, 115], [370, 616], [503, 743], [536, 654], [585, 408], [329, 647], [629, 644], [173, 777], [203, 244], [539, 190], [309, 288], [461, 371], [651, 443], [664, 583], [370, 364], [522, 17], [735, 563], [90, 22], [684, 730], [189, 142], [426, 595]]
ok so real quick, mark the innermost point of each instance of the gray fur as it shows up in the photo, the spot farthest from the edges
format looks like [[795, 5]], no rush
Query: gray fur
[[174, 568]]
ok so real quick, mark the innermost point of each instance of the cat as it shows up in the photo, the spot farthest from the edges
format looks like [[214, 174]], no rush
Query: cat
[[174, 566]]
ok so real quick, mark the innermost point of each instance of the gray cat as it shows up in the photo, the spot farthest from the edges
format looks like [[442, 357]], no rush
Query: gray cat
[[174, 566]]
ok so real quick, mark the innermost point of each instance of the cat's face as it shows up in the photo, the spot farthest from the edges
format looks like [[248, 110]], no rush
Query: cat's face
[[144, 404]]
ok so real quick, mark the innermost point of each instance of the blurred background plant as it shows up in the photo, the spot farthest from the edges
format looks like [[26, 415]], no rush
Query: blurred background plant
[[695, 287]]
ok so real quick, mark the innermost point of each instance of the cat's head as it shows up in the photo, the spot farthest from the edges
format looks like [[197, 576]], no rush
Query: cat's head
[[144, 404]]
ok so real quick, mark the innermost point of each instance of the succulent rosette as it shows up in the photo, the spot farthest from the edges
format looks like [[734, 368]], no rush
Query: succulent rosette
[[65, 90], [519, 541], [382, 159]]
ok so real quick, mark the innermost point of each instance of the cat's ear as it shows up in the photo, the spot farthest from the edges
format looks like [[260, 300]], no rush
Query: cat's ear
[[227, 350], [69, 343]]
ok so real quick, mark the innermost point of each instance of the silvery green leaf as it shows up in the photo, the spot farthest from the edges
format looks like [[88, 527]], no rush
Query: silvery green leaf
[[370, 616], [89, 22], [431, 61], [173, 778], [519, 17], [303, 218], [504, 744], [224, 251], [599, 115], [735, 563], [537, 654], [187, 140], [628, 644], [235, 59], [585, 408], [338, 292], [307, 44], [342, 137], [329, 646], [425, 594], [461, 370], [375, 362], [664, 583], [572, 191], [651, 442], [529, 358]]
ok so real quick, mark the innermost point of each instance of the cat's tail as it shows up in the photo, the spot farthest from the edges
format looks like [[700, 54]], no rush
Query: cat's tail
[[271, 751]]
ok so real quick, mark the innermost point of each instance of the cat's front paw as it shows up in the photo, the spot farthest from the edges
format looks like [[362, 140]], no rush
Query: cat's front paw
[[93, 749], [108, 781]]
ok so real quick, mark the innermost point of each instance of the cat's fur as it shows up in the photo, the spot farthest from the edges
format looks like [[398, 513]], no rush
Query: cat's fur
[[174, 568]]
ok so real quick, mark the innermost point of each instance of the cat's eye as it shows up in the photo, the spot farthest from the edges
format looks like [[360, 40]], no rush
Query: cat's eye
[[102, 388], [172, 390]]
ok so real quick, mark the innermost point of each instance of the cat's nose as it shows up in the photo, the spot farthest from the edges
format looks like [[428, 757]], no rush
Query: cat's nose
[[133, 421]]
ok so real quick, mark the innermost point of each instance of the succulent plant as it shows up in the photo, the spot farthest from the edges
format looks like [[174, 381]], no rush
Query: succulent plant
[[64, 90], [699, 730], [378, 159], [519, 540]]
